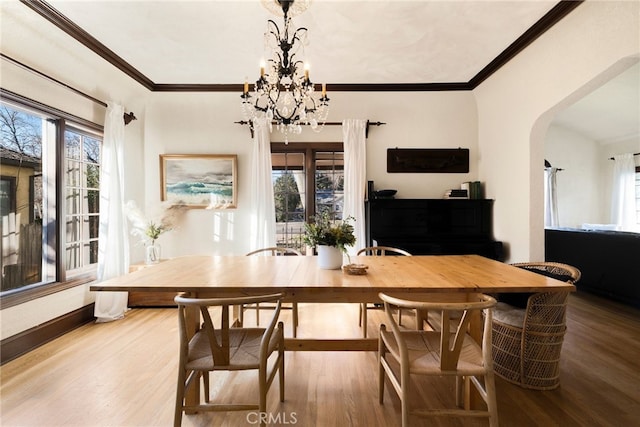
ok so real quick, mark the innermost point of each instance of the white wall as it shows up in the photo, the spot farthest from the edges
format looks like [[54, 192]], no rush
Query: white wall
[[199, 123], [517, 103], [580, 191]]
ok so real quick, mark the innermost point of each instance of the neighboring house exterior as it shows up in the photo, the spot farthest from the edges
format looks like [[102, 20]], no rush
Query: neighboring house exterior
[[21, 189]]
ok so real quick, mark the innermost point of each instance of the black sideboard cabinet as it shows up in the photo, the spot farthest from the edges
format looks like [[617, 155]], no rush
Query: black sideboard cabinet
[[433, 226]]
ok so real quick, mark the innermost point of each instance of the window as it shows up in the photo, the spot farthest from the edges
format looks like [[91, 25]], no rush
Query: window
[[307, 179], [46, 239], [82, 170], [638, 195]]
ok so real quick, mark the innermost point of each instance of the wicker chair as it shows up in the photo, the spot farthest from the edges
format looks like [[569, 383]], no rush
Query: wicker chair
[[527, 341]]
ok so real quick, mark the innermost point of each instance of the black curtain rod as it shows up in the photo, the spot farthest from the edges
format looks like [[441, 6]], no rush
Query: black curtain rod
[[635, 154], [547, 165], [247, 122], [128, 117]]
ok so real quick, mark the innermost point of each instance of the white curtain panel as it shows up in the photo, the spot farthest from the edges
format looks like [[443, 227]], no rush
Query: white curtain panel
[[113, 242], [263, 233], [623, 201], [550, 197], [355, 176]]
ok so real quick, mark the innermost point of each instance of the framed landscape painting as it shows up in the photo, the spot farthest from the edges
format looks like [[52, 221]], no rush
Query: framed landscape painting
[[199, 180]]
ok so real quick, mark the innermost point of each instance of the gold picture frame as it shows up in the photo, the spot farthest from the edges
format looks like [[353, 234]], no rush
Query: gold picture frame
[[205, 181]]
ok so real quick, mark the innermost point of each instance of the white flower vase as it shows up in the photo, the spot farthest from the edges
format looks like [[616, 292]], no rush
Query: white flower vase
[[153, 253], [329, 257]]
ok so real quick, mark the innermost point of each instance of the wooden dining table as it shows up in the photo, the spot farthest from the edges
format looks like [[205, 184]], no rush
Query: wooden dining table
[[301, 280]]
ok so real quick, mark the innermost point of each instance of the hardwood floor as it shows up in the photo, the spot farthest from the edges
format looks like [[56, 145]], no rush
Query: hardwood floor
[[123, 374]]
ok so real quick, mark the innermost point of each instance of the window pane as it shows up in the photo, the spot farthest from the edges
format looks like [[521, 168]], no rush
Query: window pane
[[73, 229], [73, 173], [94, 225], [91, 149], [72, 145], [330, 183], [93, 201], [288, 188], [73, 256], [74, 200], [93, 177], [23, 212], [93, 251]]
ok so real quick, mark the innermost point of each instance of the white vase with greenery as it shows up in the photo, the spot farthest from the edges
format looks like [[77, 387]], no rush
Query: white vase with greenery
[[329, 237]]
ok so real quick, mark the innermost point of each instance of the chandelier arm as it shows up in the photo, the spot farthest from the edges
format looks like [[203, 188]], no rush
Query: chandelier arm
[[276, 34], [303, 31]]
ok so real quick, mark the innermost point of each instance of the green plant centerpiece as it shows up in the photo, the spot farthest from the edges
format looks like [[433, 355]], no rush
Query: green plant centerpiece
[[324, 234]]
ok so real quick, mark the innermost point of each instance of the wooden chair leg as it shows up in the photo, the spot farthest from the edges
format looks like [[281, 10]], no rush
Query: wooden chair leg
[[205, 380], [281, 367], [404, 387], [177, 419], [492, 404], [294, 309], [381, 371]]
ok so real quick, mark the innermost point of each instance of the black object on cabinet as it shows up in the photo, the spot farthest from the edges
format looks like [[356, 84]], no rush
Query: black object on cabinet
[[433, 226]]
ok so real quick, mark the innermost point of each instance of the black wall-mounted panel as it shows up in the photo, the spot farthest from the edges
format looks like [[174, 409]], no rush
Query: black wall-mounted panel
[[428, 160]]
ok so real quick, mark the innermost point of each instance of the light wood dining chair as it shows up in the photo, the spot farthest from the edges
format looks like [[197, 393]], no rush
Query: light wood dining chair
[[449, 351], [227, 349], [274, 251], [529, 329], [376, 251]]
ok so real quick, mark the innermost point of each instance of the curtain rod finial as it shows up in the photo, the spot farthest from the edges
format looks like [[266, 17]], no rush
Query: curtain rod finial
[[129, 117]]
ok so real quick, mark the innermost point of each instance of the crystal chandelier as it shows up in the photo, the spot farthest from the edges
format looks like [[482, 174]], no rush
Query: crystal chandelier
[[284, 94]]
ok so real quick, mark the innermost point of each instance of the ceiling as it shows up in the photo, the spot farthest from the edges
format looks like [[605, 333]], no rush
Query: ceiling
[[609, 114], [353, 45], [350, 42]]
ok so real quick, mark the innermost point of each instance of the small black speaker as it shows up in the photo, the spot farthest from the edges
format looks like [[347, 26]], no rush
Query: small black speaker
[[370, 193]]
